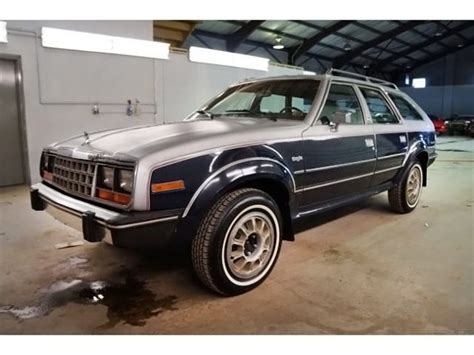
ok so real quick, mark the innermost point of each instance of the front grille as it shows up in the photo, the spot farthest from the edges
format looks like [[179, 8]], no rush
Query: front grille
[[76, 176]]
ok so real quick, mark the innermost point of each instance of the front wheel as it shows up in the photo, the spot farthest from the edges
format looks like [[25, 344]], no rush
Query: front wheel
[[238, 242], [404, 197]]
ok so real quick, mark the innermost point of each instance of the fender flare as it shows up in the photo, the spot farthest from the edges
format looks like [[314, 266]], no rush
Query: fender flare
[[416, 148], [226, 179]]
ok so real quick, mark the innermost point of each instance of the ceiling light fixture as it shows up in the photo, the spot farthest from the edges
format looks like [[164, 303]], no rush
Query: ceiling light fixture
[[366, 66], [278, 44], [460, 45], [3, 32], [347, 47], [212, 56], [92, 42]]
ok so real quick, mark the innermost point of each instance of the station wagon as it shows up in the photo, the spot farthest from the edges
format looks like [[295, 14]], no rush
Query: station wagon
[[231, 180]]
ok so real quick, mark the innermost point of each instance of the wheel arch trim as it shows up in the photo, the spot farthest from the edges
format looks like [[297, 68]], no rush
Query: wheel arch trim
[[211, 177]]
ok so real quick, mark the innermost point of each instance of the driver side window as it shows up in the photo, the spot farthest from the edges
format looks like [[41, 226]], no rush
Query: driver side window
[[341, 106]]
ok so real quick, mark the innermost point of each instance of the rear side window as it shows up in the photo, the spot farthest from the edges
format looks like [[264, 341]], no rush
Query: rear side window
[[378, 107], [407, 111], [341, 106]]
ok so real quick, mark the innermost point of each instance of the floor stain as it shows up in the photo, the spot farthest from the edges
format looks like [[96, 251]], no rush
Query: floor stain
[[130, 302], [335, 256]]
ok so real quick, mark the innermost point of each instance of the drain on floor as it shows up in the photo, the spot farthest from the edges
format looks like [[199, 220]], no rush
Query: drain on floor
[[130, 302]]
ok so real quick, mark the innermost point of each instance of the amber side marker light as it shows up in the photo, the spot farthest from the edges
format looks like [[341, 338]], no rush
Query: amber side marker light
[[113, 196], [168, 186], [47, 175]]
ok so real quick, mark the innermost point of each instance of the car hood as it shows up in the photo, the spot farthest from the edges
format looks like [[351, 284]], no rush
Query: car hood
[[176, 139]]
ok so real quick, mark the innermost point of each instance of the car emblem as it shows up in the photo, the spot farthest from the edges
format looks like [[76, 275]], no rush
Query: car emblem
[[86, 135], [94, 156]]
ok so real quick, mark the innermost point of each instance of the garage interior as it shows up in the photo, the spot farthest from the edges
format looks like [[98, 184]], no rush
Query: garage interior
[[357, 270]]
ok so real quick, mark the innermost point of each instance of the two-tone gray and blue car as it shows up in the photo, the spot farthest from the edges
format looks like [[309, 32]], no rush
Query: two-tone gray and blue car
[[233, 178]]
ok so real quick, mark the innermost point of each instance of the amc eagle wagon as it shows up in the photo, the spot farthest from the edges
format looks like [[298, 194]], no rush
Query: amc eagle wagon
[[231, 180]]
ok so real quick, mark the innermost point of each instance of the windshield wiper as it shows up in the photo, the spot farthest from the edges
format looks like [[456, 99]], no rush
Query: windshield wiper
[[206, 113], [260, 114], [238, 111]]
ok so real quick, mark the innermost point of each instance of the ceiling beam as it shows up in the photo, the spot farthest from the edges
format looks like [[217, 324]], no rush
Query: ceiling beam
[[309, 43], [351, 38], [319, 28], [354, 53], [235, 39], [443, 54], [447, 28], [371, 29], [423, 44], [422, 34]]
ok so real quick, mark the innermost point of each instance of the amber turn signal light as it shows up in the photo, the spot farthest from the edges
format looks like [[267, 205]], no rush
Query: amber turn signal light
[[47, 175], [113, 196], [168, 186]]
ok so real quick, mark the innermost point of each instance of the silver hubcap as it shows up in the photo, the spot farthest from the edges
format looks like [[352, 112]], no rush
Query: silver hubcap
[[250, 244], [413, 188]]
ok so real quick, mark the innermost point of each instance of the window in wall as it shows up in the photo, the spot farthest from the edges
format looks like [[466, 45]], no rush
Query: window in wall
[[418, 83], [378, 107], [406, 109], [341, 106]]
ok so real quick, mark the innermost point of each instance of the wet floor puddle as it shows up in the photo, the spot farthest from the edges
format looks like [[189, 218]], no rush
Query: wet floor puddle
[[130, 302]]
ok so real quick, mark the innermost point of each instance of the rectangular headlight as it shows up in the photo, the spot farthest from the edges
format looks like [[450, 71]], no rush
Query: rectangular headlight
[[125, 180], [106, 177]]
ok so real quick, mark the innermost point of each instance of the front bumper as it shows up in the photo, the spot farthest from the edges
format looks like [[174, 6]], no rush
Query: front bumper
[[125, 229]]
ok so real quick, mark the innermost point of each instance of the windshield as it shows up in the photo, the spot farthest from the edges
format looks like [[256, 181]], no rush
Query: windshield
[[276, 99]]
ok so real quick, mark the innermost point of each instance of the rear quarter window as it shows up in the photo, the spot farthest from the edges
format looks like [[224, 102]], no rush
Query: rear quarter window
[[405, 108]]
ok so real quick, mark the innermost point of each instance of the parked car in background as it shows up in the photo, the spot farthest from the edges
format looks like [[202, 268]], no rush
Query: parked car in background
[[439, 125], [231, 180], [460, 124]]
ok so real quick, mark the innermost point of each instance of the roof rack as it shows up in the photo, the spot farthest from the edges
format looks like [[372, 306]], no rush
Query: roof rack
[[360, 76]]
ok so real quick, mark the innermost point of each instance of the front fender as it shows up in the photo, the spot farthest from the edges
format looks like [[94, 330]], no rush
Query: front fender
[[228, 178]]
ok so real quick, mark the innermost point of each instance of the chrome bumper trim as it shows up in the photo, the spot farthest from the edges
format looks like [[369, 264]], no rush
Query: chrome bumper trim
[[78, 208]]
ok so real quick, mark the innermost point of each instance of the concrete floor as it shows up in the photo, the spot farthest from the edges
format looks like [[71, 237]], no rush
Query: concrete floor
[[359, 270]]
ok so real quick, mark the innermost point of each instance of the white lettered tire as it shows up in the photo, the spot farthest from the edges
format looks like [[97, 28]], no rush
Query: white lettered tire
[[238, 242]]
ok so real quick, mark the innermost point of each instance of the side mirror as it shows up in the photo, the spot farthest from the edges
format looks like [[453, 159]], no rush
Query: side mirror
[[333, 126]]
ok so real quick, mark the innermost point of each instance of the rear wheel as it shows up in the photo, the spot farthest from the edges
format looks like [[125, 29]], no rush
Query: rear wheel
[[404, 197], [238, 242]]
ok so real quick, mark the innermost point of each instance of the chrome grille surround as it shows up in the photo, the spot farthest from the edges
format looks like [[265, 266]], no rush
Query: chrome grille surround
[[75, 176]]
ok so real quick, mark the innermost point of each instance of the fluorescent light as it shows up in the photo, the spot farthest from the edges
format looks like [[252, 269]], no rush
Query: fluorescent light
[[308, 72], [91, 42], [211, 56], [3, 32], [418, 83], [278, 44]]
